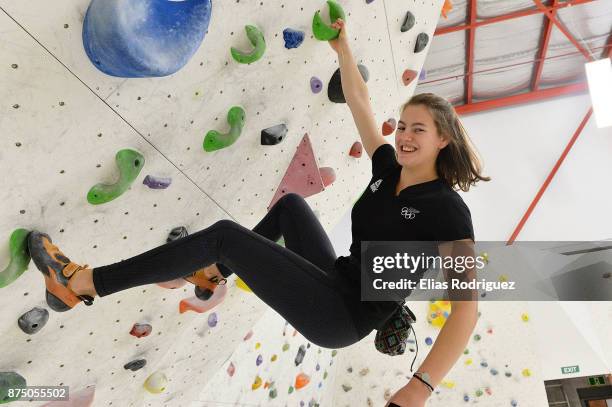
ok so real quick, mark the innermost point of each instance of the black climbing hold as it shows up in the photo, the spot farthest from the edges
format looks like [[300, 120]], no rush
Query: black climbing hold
[[134, 365], [33, 320], [300, 355], [408, 22], [8, 381], [273, 135], [334, 89], [421, 42], [177, 233]]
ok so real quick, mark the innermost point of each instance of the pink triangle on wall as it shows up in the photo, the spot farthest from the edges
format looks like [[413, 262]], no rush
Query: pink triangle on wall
[[302, 176]]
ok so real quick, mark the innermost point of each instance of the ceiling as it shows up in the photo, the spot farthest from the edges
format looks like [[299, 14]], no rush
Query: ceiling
[[494, 53]]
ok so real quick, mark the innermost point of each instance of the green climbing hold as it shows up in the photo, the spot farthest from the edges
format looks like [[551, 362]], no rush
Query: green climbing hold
[[216, 141], [129, 162], [323, 31], [259, 46], [20, 257], [9, 382], [334, 353]]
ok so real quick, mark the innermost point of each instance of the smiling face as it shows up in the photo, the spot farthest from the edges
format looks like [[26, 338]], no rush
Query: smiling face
[[417, 141]]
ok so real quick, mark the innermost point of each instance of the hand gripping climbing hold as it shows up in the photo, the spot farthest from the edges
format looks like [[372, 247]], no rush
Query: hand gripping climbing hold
[[258, 41], [144, 38], [20, 257], [321, 30], [216, 141], [273, 135], [129, 162], [33, 320]]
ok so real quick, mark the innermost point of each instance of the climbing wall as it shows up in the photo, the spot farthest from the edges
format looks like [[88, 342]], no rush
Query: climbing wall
[[62, 123], [499, 366]]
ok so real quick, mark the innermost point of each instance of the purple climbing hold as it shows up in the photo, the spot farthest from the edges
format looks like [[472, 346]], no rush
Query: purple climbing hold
[[369, 1], [136, 364], [154, 182], [317, 367], [293, 38], [212, 320], [423, 75], [33, 320], [258, 360], [315, 84]]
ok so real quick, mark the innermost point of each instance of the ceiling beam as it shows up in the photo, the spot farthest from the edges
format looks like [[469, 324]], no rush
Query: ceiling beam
[[509, 16], [546, 31], [527, 97], [550, 14]]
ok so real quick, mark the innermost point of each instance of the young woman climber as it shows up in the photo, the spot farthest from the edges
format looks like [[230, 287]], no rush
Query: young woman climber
[[317, 292]]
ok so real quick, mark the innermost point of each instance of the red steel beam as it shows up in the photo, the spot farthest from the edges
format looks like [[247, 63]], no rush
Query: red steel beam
[[469, 54], [561, 27], [551, 175], [547, 30], [509, 16], [521, 98]]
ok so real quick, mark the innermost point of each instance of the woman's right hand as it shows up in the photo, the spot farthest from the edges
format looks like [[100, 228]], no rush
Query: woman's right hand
[[342, 40]]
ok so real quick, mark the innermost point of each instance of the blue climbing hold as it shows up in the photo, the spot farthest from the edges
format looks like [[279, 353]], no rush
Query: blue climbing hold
[[293, 38], [144, 38], [428, 341]]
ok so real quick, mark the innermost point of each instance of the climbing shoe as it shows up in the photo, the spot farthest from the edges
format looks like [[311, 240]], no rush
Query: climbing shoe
[[204, 287], [57, 270]]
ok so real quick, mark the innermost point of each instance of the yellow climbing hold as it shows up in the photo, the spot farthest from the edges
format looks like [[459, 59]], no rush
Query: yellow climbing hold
[[257, 345], [468, 361], [242, 285], [525, 317], [273, 358], [438, 312], [156, 383], [485, 256], [256, 384], [526, 372], [503, 278], [448, 384]]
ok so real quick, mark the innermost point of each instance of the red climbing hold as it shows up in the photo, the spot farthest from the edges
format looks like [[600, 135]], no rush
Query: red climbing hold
[[140, 330], [302, 175], [388, 127], [408, 76], [328, 175], [231, 369], [356, 149]]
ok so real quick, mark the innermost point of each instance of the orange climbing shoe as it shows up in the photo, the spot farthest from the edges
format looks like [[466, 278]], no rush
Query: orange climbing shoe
[[57, 270], [204, 287]]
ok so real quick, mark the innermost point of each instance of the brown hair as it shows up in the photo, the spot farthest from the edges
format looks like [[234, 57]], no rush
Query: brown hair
[[457, 163]]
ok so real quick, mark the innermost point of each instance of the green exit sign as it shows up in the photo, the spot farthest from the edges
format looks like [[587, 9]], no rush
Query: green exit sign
[[570, 369], [597, 380]]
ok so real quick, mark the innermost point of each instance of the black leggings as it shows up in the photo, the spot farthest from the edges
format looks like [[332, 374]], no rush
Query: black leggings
[[298, 281]]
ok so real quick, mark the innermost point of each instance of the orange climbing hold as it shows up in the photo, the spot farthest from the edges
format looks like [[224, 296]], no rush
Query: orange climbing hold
[[356, 149], [388, 127], [197, 305], [301, 380], [448, 6]]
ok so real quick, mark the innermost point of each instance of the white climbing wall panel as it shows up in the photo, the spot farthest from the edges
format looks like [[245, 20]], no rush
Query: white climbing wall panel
[[61, 123]]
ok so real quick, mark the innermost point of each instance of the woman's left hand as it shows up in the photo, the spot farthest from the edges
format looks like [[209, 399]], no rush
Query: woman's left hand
[[414, 394]]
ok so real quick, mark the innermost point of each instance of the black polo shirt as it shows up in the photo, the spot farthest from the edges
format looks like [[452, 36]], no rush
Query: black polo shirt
[[428, 211]]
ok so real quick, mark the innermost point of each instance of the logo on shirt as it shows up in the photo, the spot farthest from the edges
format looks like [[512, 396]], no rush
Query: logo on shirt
[[374, 186], [409, 213]]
